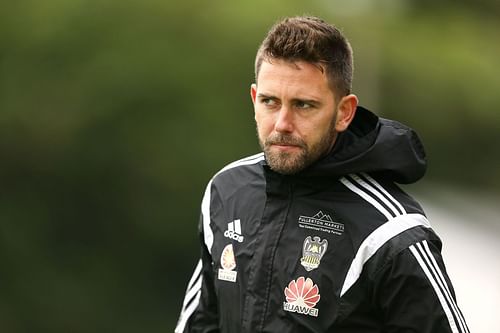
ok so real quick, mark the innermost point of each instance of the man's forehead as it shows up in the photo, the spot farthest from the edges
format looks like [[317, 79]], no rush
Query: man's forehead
[[300, 77], [297, 64]]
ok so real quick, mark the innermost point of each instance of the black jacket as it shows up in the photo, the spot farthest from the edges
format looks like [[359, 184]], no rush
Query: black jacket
[[338, 247]]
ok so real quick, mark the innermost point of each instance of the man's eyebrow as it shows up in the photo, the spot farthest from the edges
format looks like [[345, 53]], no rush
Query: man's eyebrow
[[306, 100], [261, 95]]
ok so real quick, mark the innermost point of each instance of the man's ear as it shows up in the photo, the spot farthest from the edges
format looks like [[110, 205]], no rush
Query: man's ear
[[253, 92], [346, 111]]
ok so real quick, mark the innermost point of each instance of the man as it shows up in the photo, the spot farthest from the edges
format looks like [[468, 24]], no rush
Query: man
[[313, 235]]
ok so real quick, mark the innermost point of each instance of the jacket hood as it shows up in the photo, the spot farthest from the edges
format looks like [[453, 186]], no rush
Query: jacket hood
[[374, 145]]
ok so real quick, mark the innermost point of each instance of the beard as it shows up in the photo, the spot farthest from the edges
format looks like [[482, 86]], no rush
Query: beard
[[289, 163]]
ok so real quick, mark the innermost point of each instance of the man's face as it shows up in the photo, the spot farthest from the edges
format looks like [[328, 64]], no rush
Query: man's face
[[295, 112]]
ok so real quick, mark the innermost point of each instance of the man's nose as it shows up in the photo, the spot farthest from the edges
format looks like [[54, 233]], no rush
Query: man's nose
[[284, 121]]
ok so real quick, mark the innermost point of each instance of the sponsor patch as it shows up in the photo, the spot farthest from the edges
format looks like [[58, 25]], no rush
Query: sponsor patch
[[312, 252], [321, 222], [228, 263], [301, 297]]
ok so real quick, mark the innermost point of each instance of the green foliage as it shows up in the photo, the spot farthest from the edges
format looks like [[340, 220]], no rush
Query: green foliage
[[442, 77], [115, 114]]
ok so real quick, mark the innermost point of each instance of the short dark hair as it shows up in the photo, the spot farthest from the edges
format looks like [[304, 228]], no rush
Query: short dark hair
[[310, 39]]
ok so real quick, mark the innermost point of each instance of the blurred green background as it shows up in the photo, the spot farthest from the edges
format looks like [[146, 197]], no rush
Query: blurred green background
[[115, 114]]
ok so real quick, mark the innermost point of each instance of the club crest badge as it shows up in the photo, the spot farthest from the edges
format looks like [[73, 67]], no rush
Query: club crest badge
[[312, 252], [228, 264]]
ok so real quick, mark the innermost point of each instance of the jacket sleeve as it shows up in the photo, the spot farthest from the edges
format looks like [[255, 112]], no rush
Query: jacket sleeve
[[415, 294], [199, 309]]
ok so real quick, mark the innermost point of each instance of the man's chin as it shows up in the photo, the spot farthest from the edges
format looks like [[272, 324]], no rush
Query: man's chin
[[284, 163]]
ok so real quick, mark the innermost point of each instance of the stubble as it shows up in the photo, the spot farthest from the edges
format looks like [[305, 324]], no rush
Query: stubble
[[289, 163]]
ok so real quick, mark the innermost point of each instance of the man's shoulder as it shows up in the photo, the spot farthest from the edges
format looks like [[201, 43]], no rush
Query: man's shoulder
[[243, 164]]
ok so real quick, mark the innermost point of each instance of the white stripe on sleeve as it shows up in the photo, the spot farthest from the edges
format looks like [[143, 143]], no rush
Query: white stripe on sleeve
[[187, 313], [376, 240], [196, 274], [436, 288], [384, 191], [432, 264], [376, 193], [367, 197], [192, 297]]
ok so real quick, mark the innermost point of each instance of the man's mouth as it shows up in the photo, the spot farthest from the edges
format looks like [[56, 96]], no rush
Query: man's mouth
[[285, 146], [284, 143]]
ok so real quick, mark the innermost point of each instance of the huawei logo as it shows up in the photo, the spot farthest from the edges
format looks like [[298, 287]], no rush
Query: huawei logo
[[301, 297]]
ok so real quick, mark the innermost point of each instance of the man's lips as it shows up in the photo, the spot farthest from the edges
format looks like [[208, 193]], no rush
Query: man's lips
[[284, 142], [285, 146]]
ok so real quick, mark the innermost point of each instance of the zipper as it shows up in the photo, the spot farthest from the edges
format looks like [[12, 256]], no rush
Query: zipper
[[273, 254]]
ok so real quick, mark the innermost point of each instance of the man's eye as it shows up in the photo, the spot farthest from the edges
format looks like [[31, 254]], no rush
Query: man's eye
[[303, 105], [268, 101]]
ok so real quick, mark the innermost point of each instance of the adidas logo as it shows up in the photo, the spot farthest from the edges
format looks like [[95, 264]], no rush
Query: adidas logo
[[234, 231]]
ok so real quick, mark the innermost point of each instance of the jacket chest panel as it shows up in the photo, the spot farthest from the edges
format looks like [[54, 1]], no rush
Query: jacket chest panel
[[311, 259], [289, 241]]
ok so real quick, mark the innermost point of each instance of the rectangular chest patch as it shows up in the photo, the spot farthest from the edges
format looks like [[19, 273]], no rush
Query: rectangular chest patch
[[321, 222], [227, 275]]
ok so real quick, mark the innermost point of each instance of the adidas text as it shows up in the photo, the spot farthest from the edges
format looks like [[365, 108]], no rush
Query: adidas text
[[233, 235]]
